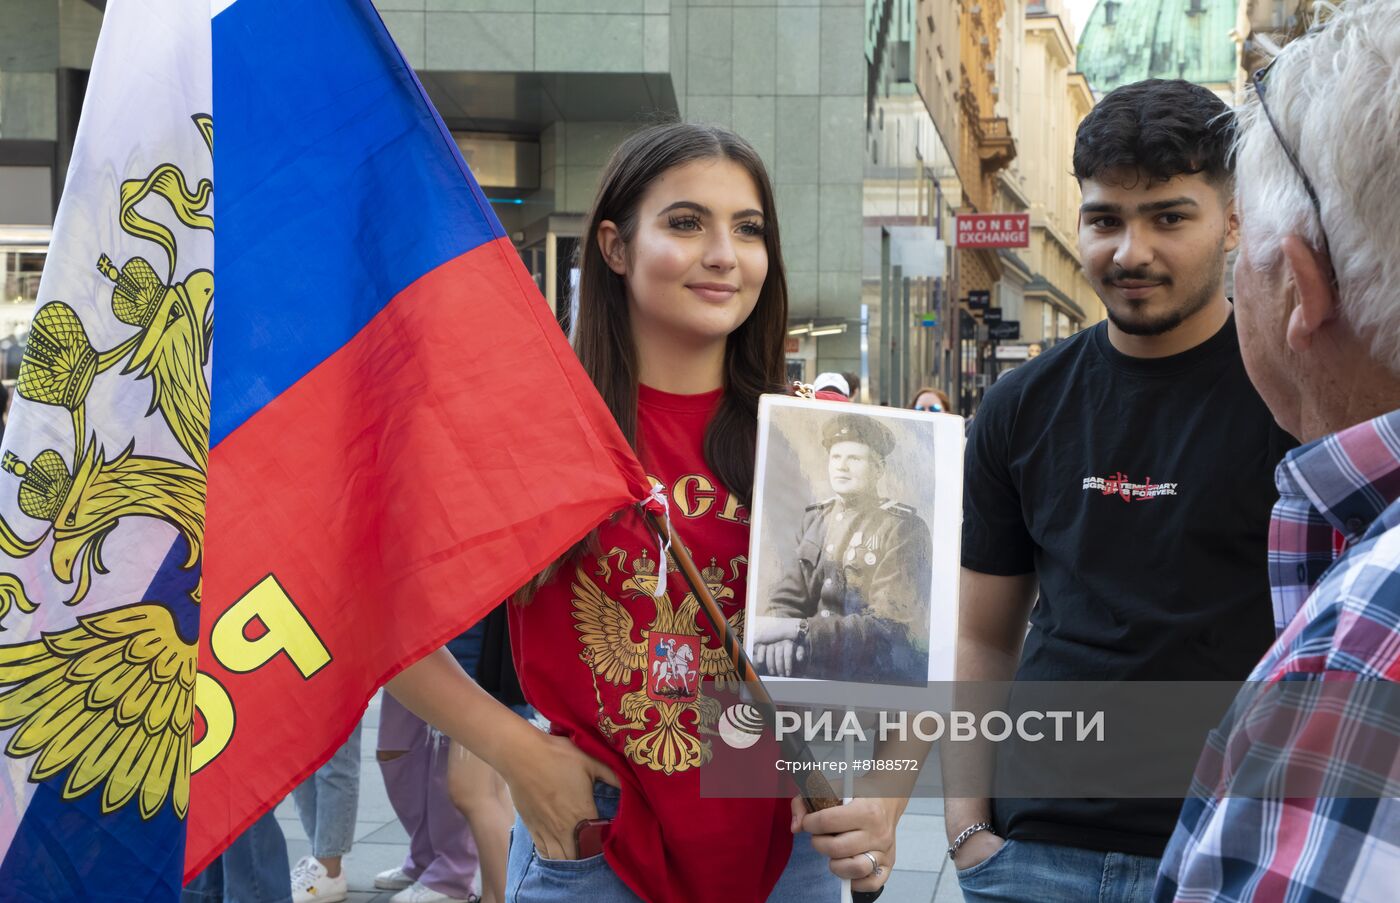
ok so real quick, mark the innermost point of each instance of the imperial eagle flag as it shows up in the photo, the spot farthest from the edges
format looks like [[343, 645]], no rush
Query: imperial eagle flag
[[290, 416]]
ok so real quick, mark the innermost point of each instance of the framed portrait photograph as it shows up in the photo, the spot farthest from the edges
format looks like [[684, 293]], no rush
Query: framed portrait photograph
[[855, 531]]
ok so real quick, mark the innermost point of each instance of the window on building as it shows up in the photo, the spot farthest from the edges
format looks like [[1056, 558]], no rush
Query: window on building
[[20, 269], [1110, 12]]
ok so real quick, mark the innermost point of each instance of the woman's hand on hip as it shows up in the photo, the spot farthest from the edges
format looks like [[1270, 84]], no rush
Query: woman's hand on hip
[[551, 784]]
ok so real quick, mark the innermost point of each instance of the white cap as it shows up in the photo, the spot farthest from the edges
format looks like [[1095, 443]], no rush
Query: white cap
[[831, 381]]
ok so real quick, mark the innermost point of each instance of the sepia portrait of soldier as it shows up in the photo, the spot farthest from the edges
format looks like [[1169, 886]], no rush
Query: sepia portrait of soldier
[[852, 599]]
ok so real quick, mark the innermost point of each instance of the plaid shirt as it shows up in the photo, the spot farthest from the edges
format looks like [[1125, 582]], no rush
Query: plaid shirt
[[1339, 613]]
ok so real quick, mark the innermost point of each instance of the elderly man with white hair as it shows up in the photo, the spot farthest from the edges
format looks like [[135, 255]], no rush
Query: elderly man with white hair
[[1317, 286]]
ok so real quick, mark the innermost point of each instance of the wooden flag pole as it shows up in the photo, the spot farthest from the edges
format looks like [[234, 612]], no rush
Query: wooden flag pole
[[816, 790]]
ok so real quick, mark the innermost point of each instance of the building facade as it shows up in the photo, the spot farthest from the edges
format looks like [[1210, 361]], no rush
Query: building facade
[[987, 148], [911, 194], [1055, 98], [46, 48]]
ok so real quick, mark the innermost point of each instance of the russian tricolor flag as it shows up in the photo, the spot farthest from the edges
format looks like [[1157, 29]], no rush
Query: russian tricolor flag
[[269, 234]]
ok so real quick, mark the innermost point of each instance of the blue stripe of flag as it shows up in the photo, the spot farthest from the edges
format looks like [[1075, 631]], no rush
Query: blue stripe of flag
[[337, 117], [71, 850]]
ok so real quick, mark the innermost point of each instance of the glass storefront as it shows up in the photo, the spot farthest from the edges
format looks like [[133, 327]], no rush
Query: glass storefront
[[21, 265], [910, 195]]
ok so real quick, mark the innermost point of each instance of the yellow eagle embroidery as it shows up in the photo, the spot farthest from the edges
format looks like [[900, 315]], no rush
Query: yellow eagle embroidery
[[663, 734], [111, 699], [85, 506], [176, 331]]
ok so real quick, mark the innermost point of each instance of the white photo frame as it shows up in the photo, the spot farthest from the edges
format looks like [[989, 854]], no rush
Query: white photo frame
[[882, 609]]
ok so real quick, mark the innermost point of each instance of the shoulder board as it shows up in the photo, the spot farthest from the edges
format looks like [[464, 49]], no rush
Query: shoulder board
[[898, 508], [825, 503]]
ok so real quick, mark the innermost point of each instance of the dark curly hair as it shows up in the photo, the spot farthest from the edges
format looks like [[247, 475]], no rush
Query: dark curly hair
[[1161, 128]]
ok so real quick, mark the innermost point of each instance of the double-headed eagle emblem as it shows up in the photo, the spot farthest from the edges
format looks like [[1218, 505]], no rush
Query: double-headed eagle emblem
[[111, 700], [663, 719]]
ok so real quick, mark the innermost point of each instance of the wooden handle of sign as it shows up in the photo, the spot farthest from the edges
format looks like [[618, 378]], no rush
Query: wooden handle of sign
[[811, 783]]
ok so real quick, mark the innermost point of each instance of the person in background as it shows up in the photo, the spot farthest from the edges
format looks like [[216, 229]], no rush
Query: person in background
[[932, 399], [853, 383], [253, 869], [831, 387], [1316, 296], [442, 859], [327, 803], [475, 788]]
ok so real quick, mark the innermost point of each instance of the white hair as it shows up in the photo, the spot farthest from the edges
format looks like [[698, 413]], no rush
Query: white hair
[[1334, 94]]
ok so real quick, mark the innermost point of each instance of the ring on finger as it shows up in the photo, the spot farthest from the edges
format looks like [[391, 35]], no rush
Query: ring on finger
[[875, 868]]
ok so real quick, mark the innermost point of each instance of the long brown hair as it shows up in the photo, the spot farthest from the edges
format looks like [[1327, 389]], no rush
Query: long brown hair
[[602, 333], [753, 359]]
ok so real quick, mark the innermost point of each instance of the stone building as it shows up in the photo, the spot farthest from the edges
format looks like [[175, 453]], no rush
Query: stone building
[[1055, 98], [988, 146]]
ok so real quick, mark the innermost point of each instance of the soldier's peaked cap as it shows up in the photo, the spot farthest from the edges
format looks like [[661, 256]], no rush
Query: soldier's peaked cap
[[858, 428]]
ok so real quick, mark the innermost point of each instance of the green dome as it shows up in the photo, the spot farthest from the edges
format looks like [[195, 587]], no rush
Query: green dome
[[1129, 40]]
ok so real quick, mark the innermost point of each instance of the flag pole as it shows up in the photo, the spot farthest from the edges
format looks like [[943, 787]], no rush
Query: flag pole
[[816, 790]]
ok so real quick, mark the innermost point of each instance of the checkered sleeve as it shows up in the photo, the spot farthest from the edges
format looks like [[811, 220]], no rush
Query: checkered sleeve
[[1295, 797]]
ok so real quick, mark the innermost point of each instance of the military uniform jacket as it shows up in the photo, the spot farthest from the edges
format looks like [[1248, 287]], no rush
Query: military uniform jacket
[[861, 577]]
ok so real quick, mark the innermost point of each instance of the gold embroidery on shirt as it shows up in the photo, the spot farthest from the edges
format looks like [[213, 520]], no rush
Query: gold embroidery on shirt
[[660, 721]]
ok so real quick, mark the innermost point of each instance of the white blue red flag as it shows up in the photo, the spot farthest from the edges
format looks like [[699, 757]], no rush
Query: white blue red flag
[[228, 515]]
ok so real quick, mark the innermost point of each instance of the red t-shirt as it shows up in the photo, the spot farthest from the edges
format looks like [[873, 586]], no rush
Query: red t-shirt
[[637, 707]]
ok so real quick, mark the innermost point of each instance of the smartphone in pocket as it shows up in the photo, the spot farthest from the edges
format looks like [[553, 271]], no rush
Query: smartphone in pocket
[[589, 835]]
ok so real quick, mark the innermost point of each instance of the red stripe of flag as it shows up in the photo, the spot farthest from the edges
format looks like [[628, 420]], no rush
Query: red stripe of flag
[[396, 493]]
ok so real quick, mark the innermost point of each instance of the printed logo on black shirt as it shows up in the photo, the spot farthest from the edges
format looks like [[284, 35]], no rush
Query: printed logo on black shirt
[[1121, 485]]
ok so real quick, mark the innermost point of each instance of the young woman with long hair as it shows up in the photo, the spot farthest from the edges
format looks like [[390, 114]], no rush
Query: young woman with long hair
[[681, 319]]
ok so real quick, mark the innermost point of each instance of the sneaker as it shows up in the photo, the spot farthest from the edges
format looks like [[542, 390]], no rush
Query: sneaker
[[421, 893], [311, 884], [394, 879]]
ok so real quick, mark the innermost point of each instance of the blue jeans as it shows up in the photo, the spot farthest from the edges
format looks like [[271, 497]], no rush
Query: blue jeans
[[254, 869], [327, 801], [531, 879], [1047, 873]]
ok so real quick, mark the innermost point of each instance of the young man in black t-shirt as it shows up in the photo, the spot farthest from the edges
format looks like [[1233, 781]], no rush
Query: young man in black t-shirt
[[1118, 490]]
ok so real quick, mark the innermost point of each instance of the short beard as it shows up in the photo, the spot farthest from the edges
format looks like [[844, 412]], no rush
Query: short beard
[[1166, 322], [1170, 320]]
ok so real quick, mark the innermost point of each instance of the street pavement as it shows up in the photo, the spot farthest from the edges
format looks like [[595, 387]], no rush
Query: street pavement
[[922, 873]]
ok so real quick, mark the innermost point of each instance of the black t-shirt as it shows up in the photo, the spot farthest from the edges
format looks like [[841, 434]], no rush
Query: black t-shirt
[[1138, 491]]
